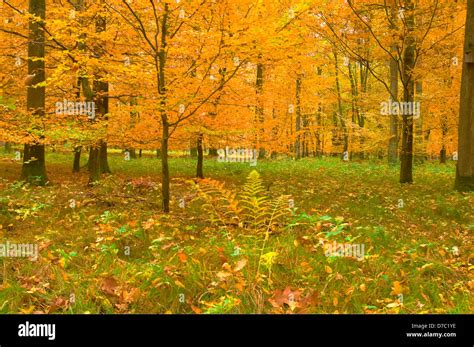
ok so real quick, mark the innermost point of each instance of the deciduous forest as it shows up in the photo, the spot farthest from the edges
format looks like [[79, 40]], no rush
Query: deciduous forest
[[236, 156]]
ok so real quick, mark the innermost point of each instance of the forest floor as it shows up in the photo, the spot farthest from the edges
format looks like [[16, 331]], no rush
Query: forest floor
[[109, 249]]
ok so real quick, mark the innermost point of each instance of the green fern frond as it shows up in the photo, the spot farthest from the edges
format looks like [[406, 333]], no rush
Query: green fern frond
[[252, 209]]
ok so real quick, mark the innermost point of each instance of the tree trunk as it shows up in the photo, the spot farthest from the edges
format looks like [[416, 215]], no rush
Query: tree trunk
[[406, 167], [394, 137], [161, 63], [104, 162], [94, 165], [34, 166], [97, 163], [298, 149], [354, 94], [101, 88], [465, 165], [259, 112], [420, 145], [200, 156], [339, 105], [442, 155], [133, 153], [165, 171], [77, 160]]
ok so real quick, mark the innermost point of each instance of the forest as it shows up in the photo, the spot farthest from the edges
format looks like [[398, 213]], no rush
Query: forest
[[236, 156]]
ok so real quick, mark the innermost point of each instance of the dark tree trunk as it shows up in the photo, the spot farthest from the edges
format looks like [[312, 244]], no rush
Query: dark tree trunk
[[394, 137], [94, 165], [104, 162], [406, 167], [101, 89], [298, 149], [259, 112], [77, 160], [442, 155], [465, 165], [340, 111], [34, 165], [200, 156], [165, 171], [133, 153]]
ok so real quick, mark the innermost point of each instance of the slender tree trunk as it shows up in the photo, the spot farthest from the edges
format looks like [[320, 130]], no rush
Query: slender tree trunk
[[34, 165], [97, 163], [161, 63], [133, 153], [420, 146], [94, 165], [406, 167], [165, 171], [259, 112], [319, 125], [465, 165], [77, 160], [444, 132], [442, 155], [101, 88], [200, 156], [339, 104], [298, 149], [364, 77], [355, 95], [104, 162], [394, 137]]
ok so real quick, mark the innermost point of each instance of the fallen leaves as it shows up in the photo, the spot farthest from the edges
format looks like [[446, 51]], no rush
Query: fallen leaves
[[240, 265], [108, 285], [293, 301], [397, 288]]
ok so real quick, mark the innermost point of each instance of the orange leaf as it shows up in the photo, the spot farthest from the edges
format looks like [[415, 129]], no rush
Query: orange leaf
[[240, 265], [182, 257]]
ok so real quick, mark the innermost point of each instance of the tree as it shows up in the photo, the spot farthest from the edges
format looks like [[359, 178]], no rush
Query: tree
[[34, 166], [169, 34], [465, 165], [408, 81], [394, 137]]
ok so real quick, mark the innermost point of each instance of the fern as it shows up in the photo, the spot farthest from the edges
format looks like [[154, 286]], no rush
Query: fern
[[255, 205], [252, 209], [220, 204]]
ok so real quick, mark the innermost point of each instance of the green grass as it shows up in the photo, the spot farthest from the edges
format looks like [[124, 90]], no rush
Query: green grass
[[182, 263]]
